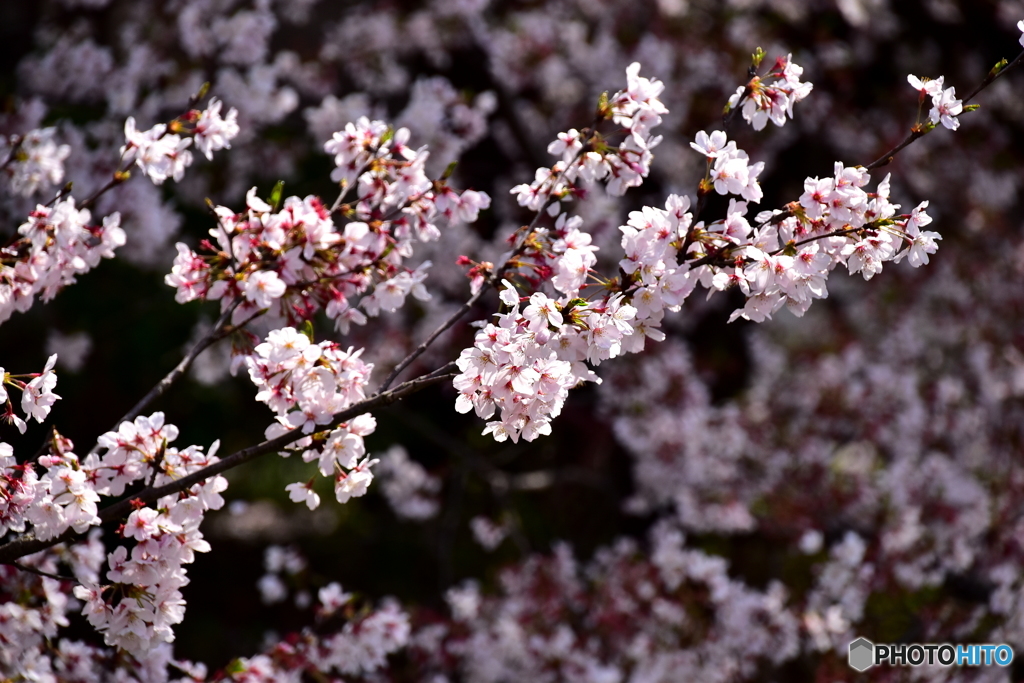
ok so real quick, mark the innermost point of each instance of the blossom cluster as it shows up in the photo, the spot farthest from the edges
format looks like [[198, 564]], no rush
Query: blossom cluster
[[786, 258], [945, 106], [523, 369], [34, 161], [761, 101], [62, 497], [58, 242], [162, 155], [524, 364], [35, 607], [729, 168], [587, 158], [37, 395], [305, 384], [142, 601], [297, 261]]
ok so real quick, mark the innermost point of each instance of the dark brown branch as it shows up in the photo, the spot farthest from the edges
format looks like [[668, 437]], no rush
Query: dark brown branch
[[40, 572], [116, 179], [886, 158], [993, 76], [218, 332]]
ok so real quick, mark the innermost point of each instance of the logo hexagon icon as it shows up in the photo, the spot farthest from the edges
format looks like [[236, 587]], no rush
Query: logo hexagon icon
[[862, 654]]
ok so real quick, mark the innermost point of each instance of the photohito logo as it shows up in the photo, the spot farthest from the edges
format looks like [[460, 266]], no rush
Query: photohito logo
[[864, 654]]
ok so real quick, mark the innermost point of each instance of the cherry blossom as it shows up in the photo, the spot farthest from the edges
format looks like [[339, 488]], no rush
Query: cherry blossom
[[212, 132], [760, 101], [37, 161], [159, 154]]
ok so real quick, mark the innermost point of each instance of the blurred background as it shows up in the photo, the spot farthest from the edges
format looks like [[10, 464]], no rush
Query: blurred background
[[892, 410]]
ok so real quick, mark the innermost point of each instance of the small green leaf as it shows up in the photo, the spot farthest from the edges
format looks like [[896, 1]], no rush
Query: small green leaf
[[757, 57], [448, 171], [235, 667], [275, 196], [203, 89], [307, 329], [573, 304]]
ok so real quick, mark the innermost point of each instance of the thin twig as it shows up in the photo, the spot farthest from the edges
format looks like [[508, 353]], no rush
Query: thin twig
[[835, 233], [115, 180], [47, 442], [194, 99], [348, 188], [216, 333], [63, 192], [441, 329], [344, 192], [18, 142], [40, 572], [990, 78], [886, 158], [156, 465], [916, 133]]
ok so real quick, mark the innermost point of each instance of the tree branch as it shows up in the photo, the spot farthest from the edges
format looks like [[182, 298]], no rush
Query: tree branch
[[916, 133], [27, 544], [40, 572], [116, 179], [218, 332]]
